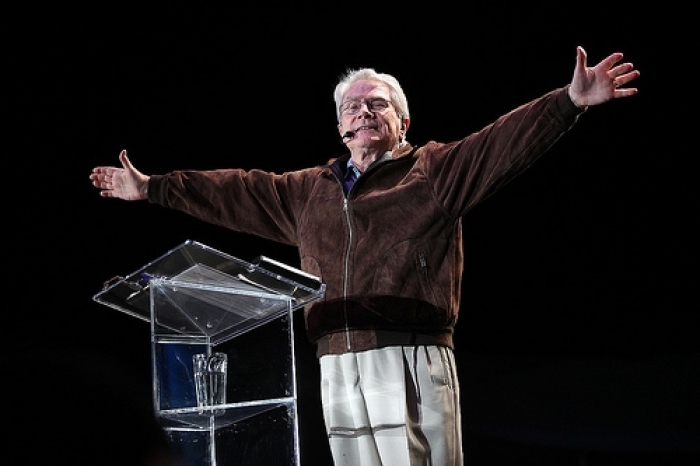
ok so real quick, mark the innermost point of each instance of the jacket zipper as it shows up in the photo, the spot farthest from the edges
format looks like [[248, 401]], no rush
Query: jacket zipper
[[347, 272], [423, 264]]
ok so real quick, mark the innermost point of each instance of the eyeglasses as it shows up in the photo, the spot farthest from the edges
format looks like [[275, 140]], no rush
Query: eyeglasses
[[353, 107]]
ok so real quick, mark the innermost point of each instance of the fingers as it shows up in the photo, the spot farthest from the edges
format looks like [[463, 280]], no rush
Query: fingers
[[621, 69], [624, 78], [622, 81], [107, 170], [622, 75], [98, 176], [102, 181], [124, 159], [610, 60], [581, 57], [625, 92], [103, 177]]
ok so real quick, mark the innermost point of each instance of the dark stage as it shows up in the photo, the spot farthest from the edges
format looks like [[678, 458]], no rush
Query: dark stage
[[577, 340]]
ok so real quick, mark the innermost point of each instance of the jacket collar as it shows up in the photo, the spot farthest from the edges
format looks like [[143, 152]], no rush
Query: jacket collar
[[337, 165], [401, 152]]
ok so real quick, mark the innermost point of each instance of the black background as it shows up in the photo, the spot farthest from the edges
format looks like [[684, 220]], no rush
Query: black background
[[577, 339]]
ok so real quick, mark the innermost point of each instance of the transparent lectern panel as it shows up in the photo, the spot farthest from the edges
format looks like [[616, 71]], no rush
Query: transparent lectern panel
[[264, 440], [268, 439], [205, 302], [260, 367], [131, 293]]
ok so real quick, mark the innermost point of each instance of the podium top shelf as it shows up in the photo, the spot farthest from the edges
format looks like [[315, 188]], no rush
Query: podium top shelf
[[199, 267]]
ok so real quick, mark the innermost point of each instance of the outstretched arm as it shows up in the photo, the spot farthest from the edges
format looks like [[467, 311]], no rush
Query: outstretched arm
[[123, 183], [602, 82]]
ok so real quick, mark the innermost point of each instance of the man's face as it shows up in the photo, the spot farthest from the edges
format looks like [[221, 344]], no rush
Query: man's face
[[368, 112]]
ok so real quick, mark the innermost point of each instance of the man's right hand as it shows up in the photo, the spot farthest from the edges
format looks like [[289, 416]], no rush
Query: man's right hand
[[123, 183]]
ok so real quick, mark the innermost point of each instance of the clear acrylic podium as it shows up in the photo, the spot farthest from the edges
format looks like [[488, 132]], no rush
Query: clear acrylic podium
[[201, 301]]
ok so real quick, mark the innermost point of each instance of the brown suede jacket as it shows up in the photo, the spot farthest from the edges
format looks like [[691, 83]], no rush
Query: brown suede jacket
[[390, 252]]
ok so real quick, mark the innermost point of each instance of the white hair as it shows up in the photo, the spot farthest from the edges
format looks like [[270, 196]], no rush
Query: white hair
[[398, 98]]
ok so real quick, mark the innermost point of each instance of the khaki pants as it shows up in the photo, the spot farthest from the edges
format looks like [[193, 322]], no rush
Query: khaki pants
[[395, 406]]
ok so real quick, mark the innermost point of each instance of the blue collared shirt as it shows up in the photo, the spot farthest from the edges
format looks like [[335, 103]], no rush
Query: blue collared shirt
[[352, 173]]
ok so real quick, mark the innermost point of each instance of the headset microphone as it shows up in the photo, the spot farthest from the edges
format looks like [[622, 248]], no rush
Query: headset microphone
[[348, 135]]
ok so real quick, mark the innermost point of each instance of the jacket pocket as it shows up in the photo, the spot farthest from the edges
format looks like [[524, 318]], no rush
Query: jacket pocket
[[426, 281]]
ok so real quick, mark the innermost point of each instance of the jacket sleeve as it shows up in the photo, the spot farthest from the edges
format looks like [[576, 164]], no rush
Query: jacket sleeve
[[255, 201], [465, 172]]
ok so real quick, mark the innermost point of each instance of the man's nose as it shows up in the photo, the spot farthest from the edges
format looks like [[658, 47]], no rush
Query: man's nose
[[365, 109]]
